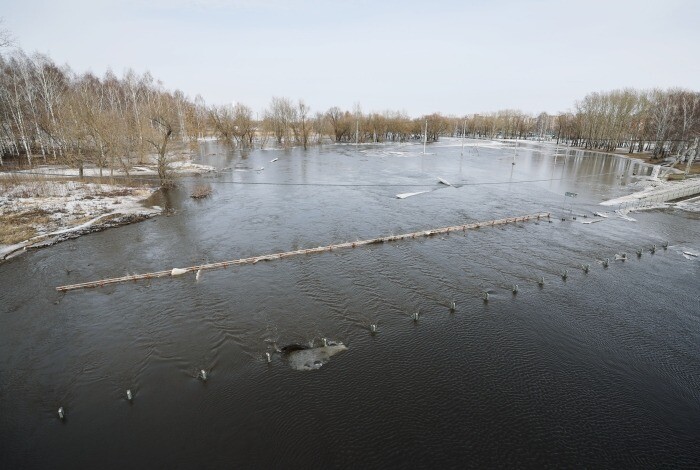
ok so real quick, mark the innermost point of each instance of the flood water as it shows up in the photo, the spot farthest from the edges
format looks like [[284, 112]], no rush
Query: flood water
[[598, 370]]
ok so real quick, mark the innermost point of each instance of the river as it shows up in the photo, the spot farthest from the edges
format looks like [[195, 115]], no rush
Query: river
[[601, 369]]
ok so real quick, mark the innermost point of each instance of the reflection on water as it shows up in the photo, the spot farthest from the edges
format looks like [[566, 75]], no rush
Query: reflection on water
[[598, 369]]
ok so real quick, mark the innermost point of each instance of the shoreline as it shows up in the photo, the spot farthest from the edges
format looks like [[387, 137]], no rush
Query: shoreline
[[39, 207], [115, 219], [49, 212]]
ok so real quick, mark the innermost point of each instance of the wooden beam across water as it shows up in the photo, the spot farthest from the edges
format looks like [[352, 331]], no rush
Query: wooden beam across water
[[321, 249]]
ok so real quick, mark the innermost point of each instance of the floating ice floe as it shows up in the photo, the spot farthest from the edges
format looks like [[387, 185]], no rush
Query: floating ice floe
[[405, 195]]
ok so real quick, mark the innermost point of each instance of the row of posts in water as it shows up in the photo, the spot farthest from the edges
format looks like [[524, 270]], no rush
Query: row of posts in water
[[540, 282], [202, 375]]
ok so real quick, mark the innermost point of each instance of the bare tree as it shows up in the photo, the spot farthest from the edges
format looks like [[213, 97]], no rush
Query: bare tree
[[163, 127], [243, 125], [280, 117], [303, 123]]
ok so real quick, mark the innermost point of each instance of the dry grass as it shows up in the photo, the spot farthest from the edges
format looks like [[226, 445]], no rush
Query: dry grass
[[20, 226], [29, 186]]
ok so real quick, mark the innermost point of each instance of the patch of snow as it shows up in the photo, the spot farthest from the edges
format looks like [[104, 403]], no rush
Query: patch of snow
[[70, 207], [189, 167], [656, 194]]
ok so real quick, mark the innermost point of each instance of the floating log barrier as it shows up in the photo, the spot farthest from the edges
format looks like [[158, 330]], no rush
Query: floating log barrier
[[321, 249]]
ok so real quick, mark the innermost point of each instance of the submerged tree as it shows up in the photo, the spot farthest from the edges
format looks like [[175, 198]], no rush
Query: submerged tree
[[163, 128]]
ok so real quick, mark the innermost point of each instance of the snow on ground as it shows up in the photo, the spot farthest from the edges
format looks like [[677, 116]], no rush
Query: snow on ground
[[52, 211], [190, 168], [148, 169]]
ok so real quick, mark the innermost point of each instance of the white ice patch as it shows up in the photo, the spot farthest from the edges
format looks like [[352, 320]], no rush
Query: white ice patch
[[189, 167], [405, 195]]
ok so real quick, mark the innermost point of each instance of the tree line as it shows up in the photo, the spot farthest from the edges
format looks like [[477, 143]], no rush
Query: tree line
[[51, 113]]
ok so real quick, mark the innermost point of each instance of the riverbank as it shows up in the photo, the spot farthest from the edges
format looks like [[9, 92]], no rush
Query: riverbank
[[47, 204], [648, 158], [39, 213], [660, 194]]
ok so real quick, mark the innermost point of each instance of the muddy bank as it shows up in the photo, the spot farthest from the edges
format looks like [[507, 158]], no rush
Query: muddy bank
[[42, 241]]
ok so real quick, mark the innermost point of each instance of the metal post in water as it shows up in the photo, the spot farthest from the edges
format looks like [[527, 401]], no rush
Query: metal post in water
[[268, 357], [606, 262], [61, 414], [453, 306], [415, 316], [515, 289], [203, 375], [373, 328], [129, 395], [486, 296], [565, 274], [639, 253]]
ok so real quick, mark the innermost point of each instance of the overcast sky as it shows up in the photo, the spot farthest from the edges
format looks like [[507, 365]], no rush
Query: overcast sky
[[455, 57]]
